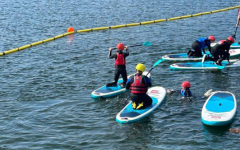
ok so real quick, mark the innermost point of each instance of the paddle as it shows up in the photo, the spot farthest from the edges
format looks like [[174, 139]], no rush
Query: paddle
[[158, 62], [146, 43], [203, 58], [208, 93], [234, 35]]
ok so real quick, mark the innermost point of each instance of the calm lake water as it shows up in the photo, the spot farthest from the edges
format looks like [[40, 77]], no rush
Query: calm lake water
[[45, 100]]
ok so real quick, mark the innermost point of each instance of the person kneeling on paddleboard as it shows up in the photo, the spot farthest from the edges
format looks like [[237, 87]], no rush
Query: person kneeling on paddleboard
[[138, 85], [220, 51], [185, 91], [199, 45], [120, 64]]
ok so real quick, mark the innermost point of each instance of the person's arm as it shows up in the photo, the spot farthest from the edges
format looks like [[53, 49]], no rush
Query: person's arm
[[228, 54], [203, 49], [129, 83], [188, 93], [149, 84], [126, 53], [209, 46], [110, 55], [171, 91]]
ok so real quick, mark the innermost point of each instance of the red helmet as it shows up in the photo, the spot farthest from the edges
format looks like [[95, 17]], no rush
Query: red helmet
[[120, 46], [231, 39], [212, 38], [186, 84]]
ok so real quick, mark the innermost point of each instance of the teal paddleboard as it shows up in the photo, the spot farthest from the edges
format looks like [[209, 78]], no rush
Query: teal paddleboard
[[219, 109], [106, 92]]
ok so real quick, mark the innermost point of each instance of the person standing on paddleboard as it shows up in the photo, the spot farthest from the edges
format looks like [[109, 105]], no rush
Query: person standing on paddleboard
[[220, 51], [185, 91], [138, 85], [199, 46], [120, 64]]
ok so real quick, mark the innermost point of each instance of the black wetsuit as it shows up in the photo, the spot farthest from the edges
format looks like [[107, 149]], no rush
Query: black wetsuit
[[198, 46], [221, 51]]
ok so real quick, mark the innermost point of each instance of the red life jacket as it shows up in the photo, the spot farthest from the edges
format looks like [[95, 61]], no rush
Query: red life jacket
[[137, 87], [120, 60], [222, 41]]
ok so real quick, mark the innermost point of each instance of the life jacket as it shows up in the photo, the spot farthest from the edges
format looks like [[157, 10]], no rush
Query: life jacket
[[137, 87], [120, 59], [202, 41], [183, 92], [222, 41]]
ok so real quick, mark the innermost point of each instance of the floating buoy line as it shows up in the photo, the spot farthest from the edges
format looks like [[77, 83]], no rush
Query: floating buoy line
[[72, 31]]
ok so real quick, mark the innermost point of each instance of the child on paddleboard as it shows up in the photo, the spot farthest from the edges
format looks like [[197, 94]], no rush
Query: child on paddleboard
[[199, 45], [120, 64], [185, 91], [138, 85], [220, 51]]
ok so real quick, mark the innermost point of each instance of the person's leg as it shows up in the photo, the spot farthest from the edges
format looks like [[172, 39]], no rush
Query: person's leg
[[197, 48], [116, 76]]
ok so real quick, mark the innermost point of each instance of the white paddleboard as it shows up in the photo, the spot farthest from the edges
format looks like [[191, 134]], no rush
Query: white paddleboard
[[106, 92], [204, 66], [129, 115], [219, 109], [184, 56]]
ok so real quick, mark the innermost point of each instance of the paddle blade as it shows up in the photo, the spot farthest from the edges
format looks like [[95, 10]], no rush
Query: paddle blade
[[208, 93], [158, 62], [147, 43]]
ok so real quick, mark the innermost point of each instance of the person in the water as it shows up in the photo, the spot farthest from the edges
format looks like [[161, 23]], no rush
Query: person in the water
[[185, 90]]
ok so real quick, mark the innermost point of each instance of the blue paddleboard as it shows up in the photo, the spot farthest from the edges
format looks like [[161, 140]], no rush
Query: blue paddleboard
[[205, 65], [184, 56], [106, 92], [130, 115], [219, 109]]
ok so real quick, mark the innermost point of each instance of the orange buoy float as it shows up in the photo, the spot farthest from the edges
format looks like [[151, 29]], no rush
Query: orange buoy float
[[70, 29]]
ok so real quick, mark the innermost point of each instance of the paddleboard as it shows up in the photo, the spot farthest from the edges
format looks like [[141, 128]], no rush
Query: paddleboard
[[219, 109], [130, 115], [235, 45], [184, 56], [205, 65], [106, 92]]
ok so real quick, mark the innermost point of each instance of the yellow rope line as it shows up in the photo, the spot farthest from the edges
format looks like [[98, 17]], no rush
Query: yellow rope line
[[114, 27]]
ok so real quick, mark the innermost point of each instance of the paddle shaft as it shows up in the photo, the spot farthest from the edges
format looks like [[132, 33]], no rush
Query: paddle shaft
[[131, 46], [149, 71], [234, 36], [158, 62], [236, 30]]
